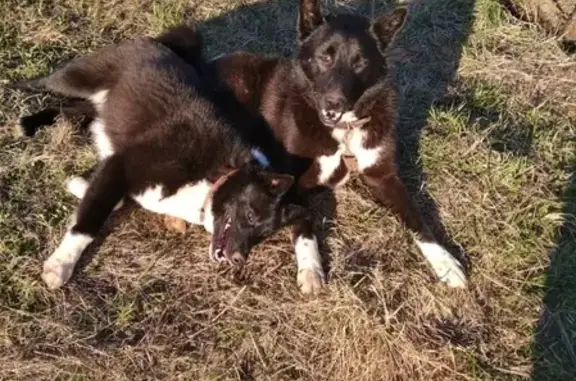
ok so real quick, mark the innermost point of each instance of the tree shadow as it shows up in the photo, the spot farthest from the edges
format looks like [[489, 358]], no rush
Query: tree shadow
[[554, 342]]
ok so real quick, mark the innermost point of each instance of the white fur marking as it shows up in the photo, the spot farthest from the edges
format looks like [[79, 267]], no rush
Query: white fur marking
[[446, 267], [339, 134], [348, 117], [78, 186], [310, 273], [328, 164], [186, 203], [366, 157], [101, 140], [98, 99], [260, 157], [59, 266]]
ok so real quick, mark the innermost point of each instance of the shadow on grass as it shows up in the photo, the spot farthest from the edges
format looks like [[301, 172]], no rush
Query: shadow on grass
[[554, 345]]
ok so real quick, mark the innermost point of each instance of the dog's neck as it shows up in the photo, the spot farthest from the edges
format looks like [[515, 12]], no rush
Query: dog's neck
[[350, 120]]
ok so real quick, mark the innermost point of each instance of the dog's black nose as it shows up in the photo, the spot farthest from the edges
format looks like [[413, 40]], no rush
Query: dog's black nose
[[237, 259], [333, 107], [334, 104]]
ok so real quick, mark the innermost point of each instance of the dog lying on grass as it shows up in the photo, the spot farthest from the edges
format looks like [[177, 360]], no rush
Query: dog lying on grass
[[162, 142]]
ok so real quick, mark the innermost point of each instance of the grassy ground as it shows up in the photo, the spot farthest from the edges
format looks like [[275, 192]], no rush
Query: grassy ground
[[488, 148]]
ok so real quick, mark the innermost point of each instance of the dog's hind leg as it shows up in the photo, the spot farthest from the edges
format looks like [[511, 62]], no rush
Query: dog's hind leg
[[107, 188], [78, 186], [69, 109]]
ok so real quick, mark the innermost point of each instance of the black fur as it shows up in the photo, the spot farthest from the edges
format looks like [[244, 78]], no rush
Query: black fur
[[164, 130]]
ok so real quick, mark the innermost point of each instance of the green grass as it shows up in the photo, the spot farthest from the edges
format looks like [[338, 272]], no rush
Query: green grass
[[487, 120]]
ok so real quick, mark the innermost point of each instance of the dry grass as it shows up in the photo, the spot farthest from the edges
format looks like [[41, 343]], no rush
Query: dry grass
[[487, 112]]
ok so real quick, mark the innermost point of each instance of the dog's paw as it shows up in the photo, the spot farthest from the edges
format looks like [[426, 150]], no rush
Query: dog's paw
[[56, 273], [175, 224], [447, 268], [310, 281], [451, 273], [77, 186]]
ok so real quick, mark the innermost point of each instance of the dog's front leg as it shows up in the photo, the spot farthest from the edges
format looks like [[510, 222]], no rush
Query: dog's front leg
[[310, 276], [386, 186]]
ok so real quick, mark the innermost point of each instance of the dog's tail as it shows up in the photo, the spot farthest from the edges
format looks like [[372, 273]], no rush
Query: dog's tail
[[71, 109], [29, 85], [186, 42]]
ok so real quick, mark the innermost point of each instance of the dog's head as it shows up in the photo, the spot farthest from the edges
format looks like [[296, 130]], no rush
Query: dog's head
[[247, 207], [342, 57]]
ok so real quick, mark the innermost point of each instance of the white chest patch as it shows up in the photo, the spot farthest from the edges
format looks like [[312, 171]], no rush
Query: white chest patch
[[355, 141], [101, 140], [366, 157], [187, 203], [348, 117], [340, 134]]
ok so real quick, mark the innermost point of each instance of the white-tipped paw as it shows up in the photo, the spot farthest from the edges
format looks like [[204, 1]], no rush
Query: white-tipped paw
[[447, 268], [450, 271], [310, 281], [77, 186], [56, 273]]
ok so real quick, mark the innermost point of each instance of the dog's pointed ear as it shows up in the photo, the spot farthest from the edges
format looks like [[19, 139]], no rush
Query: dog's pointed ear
[[293, 213], [278, 183], [309, 18], [385, 27]]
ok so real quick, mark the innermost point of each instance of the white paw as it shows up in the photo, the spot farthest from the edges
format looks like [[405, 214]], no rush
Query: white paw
[[77, 186], [447, 268], [450, 271], [56, 273], [310, 281]]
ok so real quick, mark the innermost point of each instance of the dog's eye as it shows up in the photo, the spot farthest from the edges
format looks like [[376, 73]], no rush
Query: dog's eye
[[251, 217], [326, 59], [359, 64]]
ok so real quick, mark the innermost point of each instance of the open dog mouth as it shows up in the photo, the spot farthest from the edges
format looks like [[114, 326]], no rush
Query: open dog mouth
[[344, 120], [330, 120], [220, 240]]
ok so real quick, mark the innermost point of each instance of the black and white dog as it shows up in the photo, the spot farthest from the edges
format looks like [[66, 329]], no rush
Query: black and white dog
[[161, 141]]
